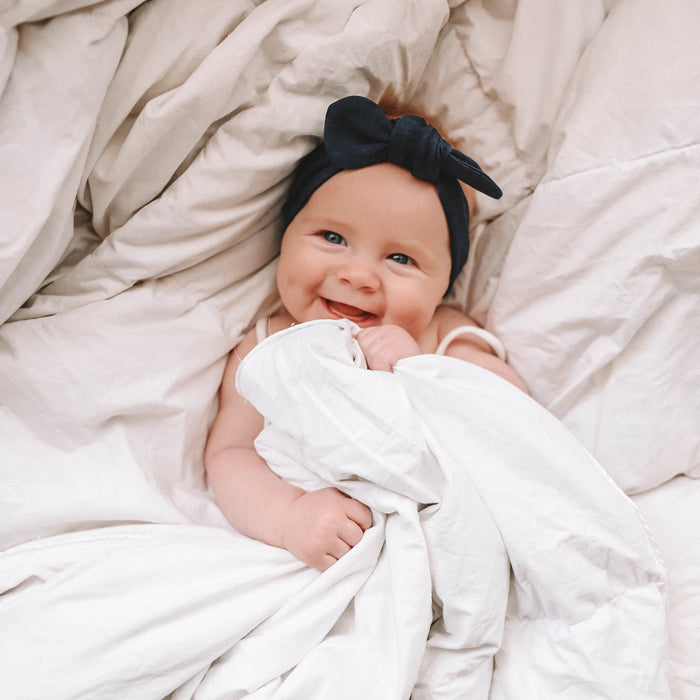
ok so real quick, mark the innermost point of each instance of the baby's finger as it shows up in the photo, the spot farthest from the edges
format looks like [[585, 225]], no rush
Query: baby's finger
[[351, 533], [338, 548], [366, 333], [370, 339], [326, 561], [360, 513]]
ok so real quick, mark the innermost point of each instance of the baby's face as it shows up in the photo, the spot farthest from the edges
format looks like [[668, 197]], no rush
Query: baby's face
[[370, 245]]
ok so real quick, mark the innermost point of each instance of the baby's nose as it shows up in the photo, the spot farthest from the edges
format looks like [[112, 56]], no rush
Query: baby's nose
[[359, 276]]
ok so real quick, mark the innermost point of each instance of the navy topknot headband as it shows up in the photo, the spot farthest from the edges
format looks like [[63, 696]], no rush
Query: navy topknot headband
[[357, 134]]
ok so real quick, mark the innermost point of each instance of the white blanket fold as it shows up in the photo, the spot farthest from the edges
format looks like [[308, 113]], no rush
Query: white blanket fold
[[498, 470]]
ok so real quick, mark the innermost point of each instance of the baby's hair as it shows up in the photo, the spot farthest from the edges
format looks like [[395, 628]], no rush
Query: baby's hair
[[395, 108]]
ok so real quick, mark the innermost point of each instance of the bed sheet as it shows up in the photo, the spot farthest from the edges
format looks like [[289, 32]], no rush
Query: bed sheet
[[671, 511], [610, 237], [196, 199], [176, 255]]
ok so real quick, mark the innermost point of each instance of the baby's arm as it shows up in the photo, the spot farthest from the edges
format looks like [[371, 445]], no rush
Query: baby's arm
[[318, 527]]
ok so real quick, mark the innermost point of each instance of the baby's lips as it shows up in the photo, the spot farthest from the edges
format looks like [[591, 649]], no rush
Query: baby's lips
[[352, 313]]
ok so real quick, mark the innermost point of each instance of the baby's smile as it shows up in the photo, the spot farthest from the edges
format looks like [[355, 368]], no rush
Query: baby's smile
[[337, 309]]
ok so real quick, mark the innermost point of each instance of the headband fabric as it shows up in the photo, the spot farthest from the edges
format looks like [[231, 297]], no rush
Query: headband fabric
[[358, 134]]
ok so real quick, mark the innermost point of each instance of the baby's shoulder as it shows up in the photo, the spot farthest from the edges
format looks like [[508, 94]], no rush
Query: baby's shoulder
[[261, 329], [447, 318], [278, 322], [444, 320]]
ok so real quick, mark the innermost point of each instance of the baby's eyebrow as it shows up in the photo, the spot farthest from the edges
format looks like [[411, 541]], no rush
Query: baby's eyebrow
[[325, 222]]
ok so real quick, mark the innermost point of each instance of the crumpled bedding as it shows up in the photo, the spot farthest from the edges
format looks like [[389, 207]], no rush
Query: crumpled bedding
[[451, 460], [145, 149]]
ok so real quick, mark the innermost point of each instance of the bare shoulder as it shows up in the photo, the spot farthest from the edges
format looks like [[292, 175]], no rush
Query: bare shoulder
[[250, 340], [472, 348], [447, 318], [279, 322]]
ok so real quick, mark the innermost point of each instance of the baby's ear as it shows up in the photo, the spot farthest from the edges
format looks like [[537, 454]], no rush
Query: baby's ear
[[470, 194]]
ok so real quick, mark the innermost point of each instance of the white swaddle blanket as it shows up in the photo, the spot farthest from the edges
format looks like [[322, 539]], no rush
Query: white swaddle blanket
[[464, 474], [495, 537]]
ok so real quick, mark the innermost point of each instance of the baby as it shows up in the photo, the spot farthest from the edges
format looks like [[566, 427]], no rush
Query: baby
[[376, 231]]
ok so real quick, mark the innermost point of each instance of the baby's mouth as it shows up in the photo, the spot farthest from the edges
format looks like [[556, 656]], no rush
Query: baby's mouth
[[337, 309]]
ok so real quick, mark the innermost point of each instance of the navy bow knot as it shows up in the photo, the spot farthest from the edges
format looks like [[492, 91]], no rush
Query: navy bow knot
[[359, 134], [418, 147]]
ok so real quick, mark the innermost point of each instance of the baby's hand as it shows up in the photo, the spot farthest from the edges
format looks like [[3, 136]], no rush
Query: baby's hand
[[384, 346], [324, 525]]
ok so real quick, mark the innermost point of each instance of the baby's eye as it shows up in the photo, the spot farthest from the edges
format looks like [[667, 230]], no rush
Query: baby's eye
[[402, 259], [333, 237]]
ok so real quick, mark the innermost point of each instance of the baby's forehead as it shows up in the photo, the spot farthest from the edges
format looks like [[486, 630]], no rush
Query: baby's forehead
[[382, 190], [382, 179]]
